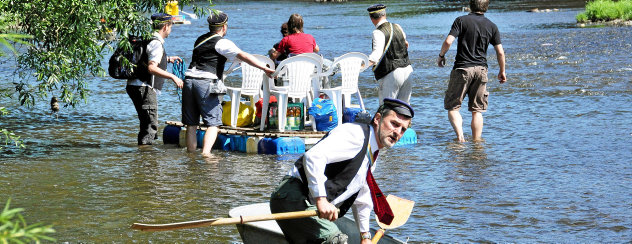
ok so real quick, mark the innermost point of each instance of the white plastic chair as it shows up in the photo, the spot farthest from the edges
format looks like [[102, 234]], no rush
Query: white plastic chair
[[351, 65], [323, 79], [302, 73], [251, 80]]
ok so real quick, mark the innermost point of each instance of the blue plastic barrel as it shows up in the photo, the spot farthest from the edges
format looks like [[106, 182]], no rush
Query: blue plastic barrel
[[238, 143], [171, 134], [409, 137], [349, 114], [199, 135], [281, 145], [222, 141]]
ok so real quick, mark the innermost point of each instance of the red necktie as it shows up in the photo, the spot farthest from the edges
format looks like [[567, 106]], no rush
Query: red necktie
[[380, 205]]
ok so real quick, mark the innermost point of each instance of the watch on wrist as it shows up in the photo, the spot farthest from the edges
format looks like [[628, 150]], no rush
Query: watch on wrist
[[366, 235], [442, 56]]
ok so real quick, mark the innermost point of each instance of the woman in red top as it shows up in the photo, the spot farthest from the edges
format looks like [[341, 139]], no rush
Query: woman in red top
[[296, 42]]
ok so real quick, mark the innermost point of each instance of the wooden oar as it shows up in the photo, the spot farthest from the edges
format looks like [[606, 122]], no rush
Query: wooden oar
[[224, 221], [402, 209]]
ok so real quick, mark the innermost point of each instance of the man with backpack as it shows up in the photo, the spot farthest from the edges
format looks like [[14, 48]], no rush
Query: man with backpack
[[143, 89]]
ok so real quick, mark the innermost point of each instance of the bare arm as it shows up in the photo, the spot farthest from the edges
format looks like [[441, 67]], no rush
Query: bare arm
[[500, 55], [444, 49], [248, 58], [154, 70], [316, 48], [274, 54]]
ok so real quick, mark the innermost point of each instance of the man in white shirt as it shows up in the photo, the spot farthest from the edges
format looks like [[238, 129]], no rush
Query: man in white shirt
[[390, 56], [203, 81], [143, 90], [332, 176]]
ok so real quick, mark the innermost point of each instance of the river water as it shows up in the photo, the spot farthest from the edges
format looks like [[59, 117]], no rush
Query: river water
[[555, 165]]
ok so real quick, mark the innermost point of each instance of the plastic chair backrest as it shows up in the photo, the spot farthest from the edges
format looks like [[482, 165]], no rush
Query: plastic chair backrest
[[252, 77], [314, 56], [351, 64], [299, 70]]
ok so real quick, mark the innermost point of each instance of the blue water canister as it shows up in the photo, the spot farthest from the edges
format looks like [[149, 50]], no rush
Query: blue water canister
[[171, 134], [238, 143], [349, 114], [199, 135], [409, 137], [281, 145], [222, 141]]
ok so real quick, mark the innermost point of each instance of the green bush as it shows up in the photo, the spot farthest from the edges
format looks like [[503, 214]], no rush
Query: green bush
[[606, 10], [13, 228]]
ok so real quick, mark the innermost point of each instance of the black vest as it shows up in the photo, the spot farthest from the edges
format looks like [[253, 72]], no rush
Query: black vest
[[206, 58], [158, 81], [339, 174], [397, 54]]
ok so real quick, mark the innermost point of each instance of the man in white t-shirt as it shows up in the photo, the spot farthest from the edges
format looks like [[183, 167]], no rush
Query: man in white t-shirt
[[143, 90], [203, 84]]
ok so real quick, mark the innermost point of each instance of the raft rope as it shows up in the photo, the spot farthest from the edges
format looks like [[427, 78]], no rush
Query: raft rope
[[178, 69]]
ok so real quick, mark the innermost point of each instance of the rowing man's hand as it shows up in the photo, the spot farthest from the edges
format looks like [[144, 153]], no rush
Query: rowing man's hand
[[326, 210]]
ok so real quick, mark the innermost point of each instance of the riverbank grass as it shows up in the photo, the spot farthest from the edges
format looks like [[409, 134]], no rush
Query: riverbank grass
[[606, 10]]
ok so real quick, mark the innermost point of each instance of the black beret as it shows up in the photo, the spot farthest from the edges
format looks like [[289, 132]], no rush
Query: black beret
[[399, 107], [160, 17], [217, 18], [376, 8]]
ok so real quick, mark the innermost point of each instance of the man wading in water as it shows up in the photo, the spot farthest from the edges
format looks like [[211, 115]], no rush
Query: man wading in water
[[469, 74], [337, 174]]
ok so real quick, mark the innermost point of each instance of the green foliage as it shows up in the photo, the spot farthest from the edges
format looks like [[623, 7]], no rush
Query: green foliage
[[8, 135], [13, 228], [606, 10], [69, 41]]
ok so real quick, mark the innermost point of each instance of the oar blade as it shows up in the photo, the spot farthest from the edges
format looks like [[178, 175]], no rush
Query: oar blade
[[402, 208]]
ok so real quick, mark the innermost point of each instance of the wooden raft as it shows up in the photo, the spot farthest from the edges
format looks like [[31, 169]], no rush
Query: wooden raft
[[254, 131]]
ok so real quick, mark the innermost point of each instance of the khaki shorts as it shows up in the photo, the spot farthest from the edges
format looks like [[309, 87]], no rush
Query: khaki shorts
[[470, 81]]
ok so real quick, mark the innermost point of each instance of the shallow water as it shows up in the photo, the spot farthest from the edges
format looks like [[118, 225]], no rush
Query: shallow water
[[554, 166]]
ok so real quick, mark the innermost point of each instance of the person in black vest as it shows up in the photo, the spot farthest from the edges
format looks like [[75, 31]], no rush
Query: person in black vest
[[469, 75], [143, 90], [336, 174], [390, 56], [203, 81]]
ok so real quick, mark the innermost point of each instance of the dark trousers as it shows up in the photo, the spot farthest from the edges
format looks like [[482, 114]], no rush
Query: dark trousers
[[146, 105], [290, 196]]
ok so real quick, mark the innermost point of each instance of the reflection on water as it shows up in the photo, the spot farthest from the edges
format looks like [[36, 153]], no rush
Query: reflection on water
[[554, 166]]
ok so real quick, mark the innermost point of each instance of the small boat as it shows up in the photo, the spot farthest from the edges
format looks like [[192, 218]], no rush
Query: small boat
[[269, 232]]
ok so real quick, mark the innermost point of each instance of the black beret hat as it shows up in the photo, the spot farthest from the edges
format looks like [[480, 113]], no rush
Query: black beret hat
[[160, 17], [375, 8], [217, 18], [399, 107]]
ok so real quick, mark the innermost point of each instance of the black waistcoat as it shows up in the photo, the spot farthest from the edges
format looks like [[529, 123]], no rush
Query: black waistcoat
[[158, 81], [206, 58], [339, 174], [397, 54]]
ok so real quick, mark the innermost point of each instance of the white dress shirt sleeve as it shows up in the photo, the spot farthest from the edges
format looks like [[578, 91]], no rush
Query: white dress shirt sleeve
[[379, 41], [155, 51], [228, 49], [362, 208], [342, 143]]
